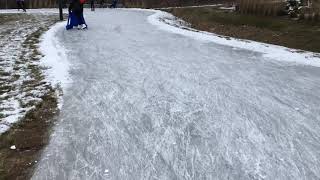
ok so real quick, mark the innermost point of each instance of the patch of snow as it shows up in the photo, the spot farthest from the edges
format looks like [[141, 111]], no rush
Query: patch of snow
[[280, 53], [4, 128], [14, 114], [55, 58], [228, 8], [182, 7], [13, 147]]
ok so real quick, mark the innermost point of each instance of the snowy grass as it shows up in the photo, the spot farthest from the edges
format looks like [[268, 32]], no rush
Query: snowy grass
[[15, 70], [32, 11], [25, 79]]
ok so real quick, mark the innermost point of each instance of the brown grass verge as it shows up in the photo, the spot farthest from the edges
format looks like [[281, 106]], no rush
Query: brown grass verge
[[29, 137], [274, 30]]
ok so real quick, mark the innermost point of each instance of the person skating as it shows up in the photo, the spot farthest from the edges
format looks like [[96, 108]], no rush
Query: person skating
[[92, 5], [114, 4], [21, 5], [101, 3], [76, 8], [18, 4]]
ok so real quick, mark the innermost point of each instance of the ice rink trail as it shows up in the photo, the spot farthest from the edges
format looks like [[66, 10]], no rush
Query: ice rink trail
[[149, 104]]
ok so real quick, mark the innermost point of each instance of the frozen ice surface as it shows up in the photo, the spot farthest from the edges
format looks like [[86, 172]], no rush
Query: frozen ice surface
[[151, 104]]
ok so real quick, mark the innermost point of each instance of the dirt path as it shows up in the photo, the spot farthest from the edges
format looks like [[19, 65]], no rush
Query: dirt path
[[24, 93]]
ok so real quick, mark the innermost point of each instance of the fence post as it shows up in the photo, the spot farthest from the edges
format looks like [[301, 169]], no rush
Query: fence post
[[60, 10]]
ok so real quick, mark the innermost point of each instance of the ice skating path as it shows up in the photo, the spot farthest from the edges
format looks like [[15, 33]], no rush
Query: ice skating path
[[149, 104]]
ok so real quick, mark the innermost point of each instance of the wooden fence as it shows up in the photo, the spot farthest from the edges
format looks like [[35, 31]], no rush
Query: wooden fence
[[169, 3], [11, 4], [261, 7]]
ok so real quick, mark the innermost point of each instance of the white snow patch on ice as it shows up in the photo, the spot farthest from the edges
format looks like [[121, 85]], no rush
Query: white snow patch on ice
[[275, 52], [55, 58]]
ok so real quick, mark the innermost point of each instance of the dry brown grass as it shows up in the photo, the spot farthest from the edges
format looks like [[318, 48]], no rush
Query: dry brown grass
[[31, 134], [276, 7], [282, 31]]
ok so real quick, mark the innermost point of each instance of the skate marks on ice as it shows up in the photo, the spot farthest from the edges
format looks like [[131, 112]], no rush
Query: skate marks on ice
[[149, 104]]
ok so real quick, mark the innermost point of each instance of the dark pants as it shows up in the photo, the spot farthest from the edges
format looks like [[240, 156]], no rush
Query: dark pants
[[78, 15], [101, 3], [21, 5], [92, 5], [114, 4]]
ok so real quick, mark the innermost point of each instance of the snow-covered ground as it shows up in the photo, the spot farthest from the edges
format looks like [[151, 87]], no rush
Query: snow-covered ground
[[153, 101], [32, 11], [20, 85]]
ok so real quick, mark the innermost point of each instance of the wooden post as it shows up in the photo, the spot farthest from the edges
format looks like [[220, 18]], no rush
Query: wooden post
[[60, 10]]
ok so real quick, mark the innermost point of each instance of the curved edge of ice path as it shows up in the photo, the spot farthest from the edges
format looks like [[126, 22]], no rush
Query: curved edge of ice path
[[275, 52], [55, 59]]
